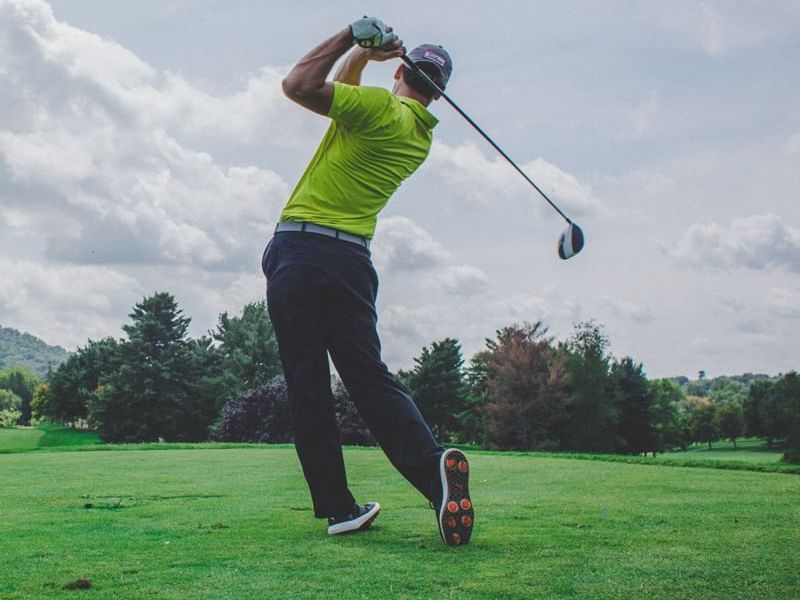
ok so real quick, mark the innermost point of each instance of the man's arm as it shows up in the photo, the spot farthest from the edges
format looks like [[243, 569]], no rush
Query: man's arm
[[306, 83], [350, 70]]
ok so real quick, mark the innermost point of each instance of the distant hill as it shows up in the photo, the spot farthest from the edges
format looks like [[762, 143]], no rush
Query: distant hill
[[24, 350]]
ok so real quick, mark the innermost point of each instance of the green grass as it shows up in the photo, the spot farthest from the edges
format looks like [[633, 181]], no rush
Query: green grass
[[45, 435], [236, 523], [748, 450]]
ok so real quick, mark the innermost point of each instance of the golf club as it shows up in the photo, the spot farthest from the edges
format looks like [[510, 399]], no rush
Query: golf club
[[571, 240]]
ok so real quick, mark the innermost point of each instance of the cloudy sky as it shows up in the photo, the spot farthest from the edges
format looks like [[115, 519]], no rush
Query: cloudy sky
[[146, 146]]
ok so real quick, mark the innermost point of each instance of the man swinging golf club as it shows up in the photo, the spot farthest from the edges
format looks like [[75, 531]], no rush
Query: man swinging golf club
[[321, 285]]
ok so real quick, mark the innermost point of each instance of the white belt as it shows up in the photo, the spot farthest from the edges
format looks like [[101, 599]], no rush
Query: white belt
[[330, 232]]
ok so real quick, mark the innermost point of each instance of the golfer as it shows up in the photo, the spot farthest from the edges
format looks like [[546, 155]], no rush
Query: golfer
[[321, 285]]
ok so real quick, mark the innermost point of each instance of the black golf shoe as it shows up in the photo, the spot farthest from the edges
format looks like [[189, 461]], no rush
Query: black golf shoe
[[360, 517], [455, 512]]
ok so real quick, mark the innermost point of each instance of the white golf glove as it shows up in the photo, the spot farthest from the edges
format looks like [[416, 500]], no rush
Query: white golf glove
[[371, 32]]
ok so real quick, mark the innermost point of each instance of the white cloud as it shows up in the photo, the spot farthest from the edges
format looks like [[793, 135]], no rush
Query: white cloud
[[465, 167], [55, 57], [630, 311], [93, 129], [405, 330], [783, 302], [168, 176], [480, 179], [464, 280], [402, 245], [733, 305], [89, 300], [758, 242]]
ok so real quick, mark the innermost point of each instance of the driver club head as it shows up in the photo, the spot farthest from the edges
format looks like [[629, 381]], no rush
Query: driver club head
[[570, 242]]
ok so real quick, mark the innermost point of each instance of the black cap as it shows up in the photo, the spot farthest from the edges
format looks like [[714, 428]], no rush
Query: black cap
[[438, 58]]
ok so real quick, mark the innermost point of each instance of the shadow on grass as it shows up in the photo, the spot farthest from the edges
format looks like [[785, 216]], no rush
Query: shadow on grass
[[56, 435]]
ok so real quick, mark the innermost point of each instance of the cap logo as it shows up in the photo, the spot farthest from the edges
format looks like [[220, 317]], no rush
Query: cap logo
[[435, 58]]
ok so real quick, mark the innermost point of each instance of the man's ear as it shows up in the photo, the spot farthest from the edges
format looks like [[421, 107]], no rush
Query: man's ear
[[398, 72]]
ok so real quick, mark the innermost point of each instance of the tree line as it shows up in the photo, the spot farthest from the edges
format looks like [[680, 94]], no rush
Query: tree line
[[524, 391]]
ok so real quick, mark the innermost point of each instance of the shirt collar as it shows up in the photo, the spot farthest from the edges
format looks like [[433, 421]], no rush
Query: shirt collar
[[420, 111]]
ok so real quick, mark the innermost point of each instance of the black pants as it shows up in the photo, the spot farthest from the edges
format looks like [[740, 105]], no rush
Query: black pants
[[321, 297]]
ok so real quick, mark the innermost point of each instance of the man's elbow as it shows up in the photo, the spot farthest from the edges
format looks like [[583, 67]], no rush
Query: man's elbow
[[290, 87], [296, 89], [313, 97]]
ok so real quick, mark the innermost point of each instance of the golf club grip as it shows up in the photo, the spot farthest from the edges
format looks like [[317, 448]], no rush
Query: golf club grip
[[414, 67]]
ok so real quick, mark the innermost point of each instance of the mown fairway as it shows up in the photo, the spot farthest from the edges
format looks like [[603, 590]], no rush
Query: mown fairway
[[46, 435], [236, 523]]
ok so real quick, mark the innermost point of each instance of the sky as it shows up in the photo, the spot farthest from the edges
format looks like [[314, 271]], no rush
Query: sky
[[146, 146]]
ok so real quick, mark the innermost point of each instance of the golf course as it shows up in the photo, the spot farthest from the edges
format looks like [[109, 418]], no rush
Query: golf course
[[83, 519]]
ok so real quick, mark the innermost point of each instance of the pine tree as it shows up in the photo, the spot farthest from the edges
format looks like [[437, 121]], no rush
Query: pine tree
[[437, 385], [159, 389], [592, 415], [248, 349]]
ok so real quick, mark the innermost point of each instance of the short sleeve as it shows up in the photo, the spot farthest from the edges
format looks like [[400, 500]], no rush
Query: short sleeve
[[357, 106]]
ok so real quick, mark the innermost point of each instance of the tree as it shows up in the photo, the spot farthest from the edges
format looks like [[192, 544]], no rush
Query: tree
[[473, 419], [524, 379], [702, 423], [21, 382], [592, 415], [789, 388], [40, 400], [248, 349], [729, 420], [770, 407], [727, 389], [160, 389], [634, 404], [74, 383], [668, 420], [699, 387], [437, 385], [754, 406]]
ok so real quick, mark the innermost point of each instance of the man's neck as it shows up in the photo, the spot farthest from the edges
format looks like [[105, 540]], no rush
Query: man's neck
[[401, 89]]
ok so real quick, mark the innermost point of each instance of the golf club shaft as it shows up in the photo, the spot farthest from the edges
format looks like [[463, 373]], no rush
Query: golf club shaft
[[441, 92]]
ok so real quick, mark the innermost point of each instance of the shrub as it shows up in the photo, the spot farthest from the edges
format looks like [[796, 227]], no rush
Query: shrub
[[352, 429], [9, 417], [262, 415], [259, 415]]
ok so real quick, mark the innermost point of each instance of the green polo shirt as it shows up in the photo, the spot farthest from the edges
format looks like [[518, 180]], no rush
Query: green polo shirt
[[375, 141]]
